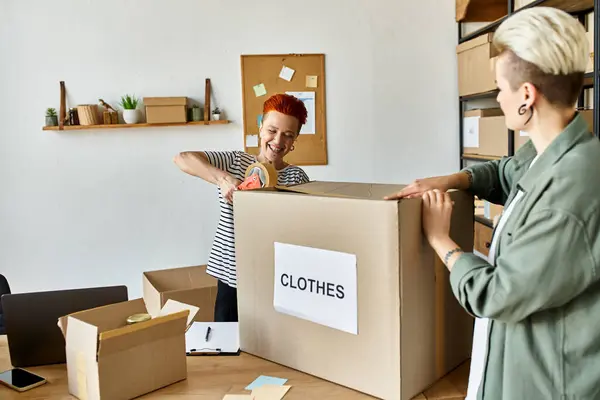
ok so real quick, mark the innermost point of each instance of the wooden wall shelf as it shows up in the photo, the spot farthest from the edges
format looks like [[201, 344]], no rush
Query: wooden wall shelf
[[127, 126]]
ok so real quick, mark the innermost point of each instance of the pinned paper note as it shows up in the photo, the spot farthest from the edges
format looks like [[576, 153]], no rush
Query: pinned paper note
[[286, 73], [251, 140], [270, 392], [311, 81], [259, 119], [308, 98], [260, 90], [471, 132], [238, 397], [266, 380]]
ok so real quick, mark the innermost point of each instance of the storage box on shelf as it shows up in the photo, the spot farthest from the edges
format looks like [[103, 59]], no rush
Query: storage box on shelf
[[485, 133], [476, 59], [162, 110], [483, 238]]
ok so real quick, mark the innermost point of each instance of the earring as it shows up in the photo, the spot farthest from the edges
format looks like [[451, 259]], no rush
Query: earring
[[292, 149], [522, 109]]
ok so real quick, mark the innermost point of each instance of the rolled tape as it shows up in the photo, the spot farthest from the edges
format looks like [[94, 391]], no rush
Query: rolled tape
[[266, 173]]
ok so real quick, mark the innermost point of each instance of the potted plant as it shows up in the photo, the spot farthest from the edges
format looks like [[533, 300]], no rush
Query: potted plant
[[196, 113], [216, 114], [130, 112], [51, 117]]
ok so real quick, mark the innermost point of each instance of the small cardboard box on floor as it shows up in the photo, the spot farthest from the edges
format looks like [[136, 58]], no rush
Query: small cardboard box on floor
[[189, 285], [345, 287], [108, 359]]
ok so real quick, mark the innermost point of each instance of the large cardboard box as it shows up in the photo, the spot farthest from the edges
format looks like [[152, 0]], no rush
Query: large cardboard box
[[108, 359], [485, 133], [189, 285], [476, 65], [161, 110], [345, 287]]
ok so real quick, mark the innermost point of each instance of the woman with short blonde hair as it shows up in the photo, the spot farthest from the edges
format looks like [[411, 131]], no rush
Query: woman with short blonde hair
[[537, 296]]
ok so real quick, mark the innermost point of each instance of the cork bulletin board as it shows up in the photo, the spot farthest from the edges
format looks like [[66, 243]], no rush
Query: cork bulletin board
[[301, 75]]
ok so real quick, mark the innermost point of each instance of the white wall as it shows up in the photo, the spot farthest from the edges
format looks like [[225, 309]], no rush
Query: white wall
[[99, 207]]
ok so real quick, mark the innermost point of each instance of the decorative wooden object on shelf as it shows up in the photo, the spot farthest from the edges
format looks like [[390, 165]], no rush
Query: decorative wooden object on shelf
[[127, 126], [207, 101], [480, 10], [110, 115], [63, 106], [110, 118]]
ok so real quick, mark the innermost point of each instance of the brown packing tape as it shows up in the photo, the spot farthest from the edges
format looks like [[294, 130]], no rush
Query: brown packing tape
[[266, 172]]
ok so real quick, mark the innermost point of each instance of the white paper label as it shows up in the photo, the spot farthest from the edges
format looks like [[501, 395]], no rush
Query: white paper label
[[471, 132], [316, 285]]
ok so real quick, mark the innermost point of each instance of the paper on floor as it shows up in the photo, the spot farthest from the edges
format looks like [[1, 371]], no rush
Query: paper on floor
[[270, 392], [265, 380]]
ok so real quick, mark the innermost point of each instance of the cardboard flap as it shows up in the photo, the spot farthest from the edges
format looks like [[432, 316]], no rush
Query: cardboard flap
[[143, 332], [165, 101], [180, 278], [476, 42], [111, 316], [173, 306], [62, 325], [368, 191]]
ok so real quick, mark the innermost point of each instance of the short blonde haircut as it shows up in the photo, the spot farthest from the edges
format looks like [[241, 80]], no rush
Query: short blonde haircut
[[549, 48]]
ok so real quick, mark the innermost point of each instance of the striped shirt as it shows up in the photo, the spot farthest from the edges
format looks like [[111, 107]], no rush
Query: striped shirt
[[221, 262]]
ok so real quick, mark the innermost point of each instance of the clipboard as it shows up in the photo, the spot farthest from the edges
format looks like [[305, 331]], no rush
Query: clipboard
[[213, 339]]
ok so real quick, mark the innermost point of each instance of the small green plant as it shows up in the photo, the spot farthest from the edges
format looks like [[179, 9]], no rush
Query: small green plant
[[129, 102], [216, 111], [51, 112]]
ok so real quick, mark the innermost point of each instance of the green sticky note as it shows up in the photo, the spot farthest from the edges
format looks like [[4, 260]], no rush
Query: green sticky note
[[260, 90]]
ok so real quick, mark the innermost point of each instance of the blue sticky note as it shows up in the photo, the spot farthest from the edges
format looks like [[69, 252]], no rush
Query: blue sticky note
[[259, 120], [266, 380]]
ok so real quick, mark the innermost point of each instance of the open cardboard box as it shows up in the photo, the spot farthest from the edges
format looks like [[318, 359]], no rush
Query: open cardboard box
[[108, 359], [189, 285], [348, 289]]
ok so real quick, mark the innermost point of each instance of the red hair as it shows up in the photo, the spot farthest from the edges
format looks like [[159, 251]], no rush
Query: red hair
[[288, 105]]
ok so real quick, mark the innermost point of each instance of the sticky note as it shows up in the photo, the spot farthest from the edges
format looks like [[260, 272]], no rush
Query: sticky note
[[266, 380], [260, 90], [259, 119], [270, 392], [311, 81], [237, 397], [286, 73], [251, 140]]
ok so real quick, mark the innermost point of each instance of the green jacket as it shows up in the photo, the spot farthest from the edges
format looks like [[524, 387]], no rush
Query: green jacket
[[543, 295]]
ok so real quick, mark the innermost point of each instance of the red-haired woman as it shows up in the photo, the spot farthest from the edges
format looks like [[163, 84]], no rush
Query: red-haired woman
[[283, 116]]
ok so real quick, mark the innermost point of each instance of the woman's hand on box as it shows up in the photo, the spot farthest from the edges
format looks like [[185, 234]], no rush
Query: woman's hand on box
[[437, 212], [421, 186], [228, 184]]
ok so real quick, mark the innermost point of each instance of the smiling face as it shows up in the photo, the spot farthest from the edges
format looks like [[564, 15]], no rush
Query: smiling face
[[278, 133]]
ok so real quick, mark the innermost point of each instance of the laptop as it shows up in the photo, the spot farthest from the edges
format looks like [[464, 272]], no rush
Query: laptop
[[31, 321]]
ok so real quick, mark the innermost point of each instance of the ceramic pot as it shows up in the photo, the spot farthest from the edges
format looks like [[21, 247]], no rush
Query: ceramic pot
[[131, 116]]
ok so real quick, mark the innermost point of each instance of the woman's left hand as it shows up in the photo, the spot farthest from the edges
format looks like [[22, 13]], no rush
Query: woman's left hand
[[437, 212]]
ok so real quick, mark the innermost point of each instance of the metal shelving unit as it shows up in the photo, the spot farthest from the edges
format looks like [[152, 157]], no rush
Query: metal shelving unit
[[578, 8]]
